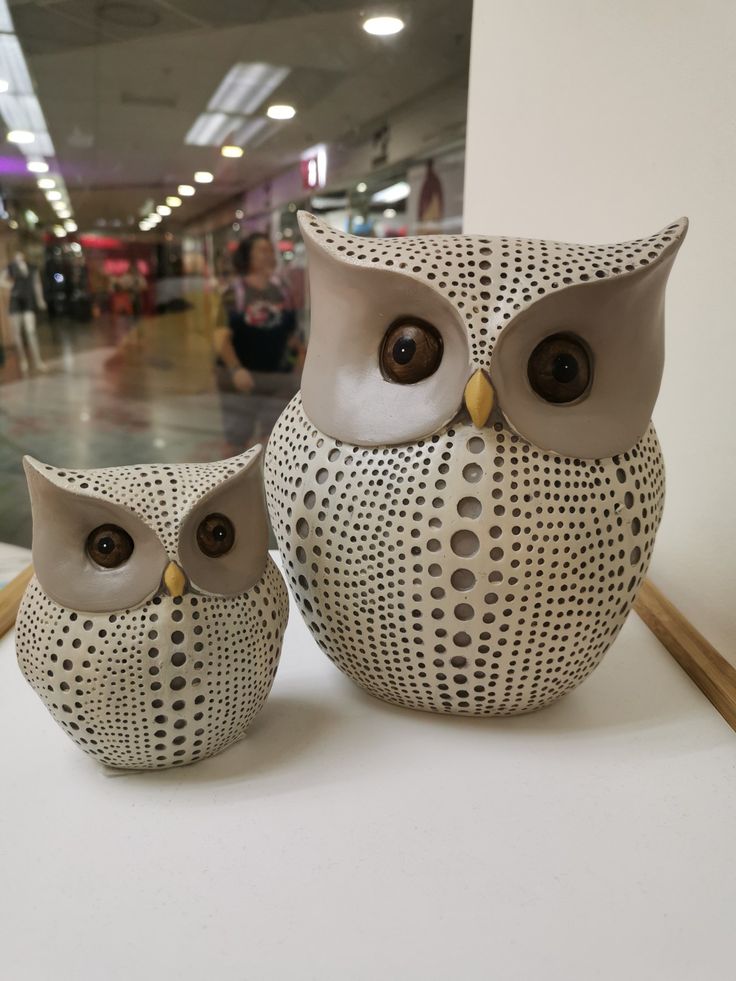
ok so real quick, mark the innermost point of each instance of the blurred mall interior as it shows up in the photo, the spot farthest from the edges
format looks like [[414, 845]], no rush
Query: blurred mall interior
[[153, 300]]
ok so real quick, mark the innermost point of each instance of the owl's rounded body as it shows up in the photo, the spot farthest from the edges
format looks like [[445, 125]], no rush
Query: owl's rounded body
[[467, 572], [152, 628], [171, 682]]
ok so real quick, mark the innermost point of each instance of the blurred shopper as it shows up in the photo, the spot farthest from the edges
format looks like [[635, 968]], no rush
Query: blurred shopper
[[259, 351]]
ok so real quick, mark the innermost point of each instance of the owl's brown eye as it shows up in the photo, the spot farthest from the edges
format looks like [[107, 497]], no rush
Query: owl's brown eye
[[215, 535], [109, 546], [411, 351], [559, 368]]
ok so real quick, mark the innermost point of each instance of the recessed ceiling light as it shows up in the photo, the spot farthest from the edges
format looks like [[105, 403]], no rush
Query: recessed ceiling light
[[38, 166], [173, 201], [383, 26], [361, 188], [281, 112], [154, 218], [202, 177], [59, 231], [46, 183], [186, 190], [64, 213], [144, 226], [232, 151], [71, 226], [53, 195], [13, 224], [164, 210], [20, 136], [389, 213]]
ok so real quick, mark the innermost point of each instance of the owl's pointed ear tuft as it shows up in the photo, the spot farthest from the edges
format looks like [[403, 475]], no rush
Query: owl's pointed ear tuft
[[663, 245], [250, 458]]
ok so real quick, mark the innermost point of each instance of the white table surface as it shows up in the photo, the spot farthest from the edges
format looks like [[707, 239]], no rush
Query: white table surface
[[346, 839]]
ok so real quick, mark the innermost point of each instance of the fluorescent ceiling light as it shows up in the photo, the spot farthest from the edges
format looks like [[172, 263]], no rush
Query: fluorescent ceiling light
[[248, 131], [164, 210], [281, 112], [186, 190], [234, 152], [173, 201], [246, 87], [46, 183], [390, 195], [20, 136], [211, 129], [383, 26], [13, 67], [203, 177], [38, 166]]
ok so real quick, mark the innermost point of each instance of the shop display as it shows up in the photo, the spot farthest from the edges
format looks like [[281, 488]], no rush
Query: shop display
[[467, 489], [152, 628]]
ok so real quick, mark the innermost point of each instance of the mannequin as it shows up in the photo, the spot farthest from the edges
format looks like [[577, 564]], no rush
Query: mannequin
[[26, 297]]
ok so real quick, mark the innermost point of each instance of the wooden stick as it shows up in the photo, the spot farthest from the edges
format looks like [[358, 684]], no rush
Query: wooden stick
[[711, 672], [10, 597]]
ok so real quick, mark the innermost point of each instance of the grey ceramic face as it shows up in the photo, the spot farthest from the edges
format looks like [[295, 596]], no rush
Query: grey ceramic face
[[161, 508], [492, 300]]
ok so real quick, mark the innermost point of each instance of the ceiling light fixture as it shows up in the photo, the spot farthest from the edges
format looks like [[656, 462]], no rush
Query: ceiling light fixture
[[53, 195], [234, 152], [202, 177], [246, 87], [383, 26], [390, 195], [361, 188], [64, 213], [173, 201], [46, 183], [38, 166], [71, 226], [186, 190], [59, 231], [281, 112], [21, 136], [164, 210], [389, 213]]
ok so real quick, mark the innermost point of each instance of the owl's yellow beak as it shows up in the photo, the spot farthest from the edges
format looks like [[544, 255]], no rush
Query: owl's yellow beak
[[479, 397], [174, 580]]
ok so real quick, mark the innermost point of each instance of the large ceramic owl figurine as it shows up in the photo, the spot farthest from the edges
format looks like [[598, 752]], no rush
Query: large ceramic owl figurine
[[152, 628], [467, 489]]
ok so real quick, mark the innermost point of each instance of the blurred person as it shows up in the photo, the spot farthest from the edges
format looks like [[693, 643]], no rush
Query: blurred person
[[259, 349], [26, 299]]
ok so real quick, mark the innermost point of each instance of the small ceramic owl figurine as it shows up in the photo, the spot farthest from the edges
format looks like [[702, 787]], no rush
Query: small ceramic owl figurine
[[467, 489], [152, 628]]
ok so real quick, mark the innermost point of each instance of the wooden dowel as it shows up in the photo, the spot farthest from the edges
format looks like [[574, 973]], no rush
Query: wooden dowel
[[710, 671], [10, 597]]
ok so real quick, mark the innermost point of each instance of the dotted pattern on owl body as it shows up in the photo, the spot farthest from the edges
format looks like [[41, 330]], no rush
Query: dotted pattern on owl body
[[490, 280], [468, 573], [171, 682]]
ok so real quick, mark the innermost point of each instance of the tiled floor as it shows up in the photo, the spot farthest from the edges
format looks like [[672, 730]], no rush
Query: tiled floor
[[115, 394]]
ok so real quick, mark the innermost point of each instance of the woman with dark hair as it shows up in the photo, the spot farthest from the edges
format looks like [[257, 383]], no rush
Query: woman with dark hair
[[253, 350]]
